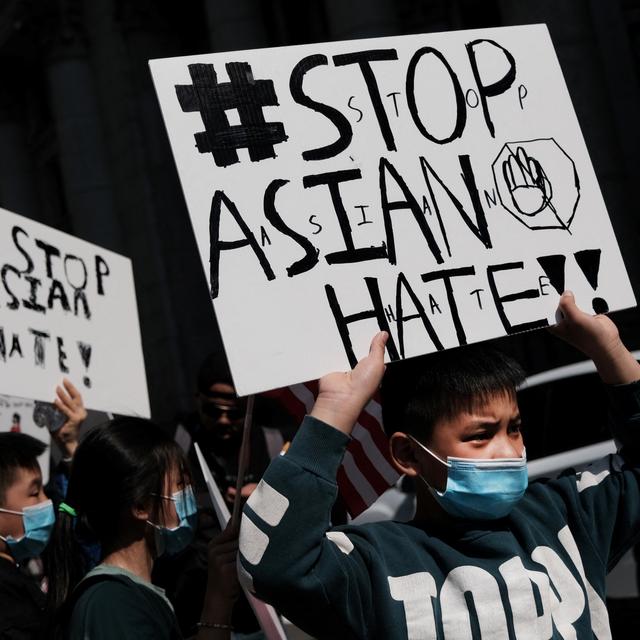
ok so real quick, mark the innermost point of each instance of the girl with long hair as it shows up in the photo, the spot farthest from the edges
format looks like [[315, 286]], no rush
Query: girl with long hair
[[129, 489]]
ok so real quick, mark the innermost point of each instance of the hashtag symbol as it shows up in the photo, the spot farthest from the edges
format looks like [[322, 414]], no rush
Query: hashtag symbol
[[212, 99]]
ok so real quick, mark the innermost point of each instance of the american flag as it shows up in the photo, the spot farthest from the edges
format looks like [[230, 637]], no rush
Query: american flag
[[366, 471]]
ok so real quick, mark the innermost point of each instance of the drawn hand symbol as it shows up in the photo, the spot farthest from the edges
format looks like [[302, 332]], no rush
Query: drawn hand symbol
[[527, 182]]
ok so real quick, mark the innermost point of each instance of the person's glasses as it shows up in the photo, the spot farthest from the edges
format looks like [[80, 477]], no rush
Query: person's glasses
[[215, 411]]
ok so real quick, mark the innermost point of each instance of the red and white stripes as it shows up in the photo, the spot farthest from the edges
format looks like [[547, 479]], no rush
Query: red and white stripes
[[366, 471]]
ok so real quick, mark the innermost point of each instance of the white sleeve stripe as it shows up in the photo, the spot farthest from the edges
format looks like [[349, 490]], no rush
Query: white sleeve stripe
[[253, 541], [245, 578], [268, 503], [593, 474], [341, 540]]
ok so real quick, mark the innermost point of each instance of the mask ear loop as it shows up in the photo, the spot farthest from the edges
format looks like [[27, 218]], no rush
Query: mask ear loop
[[13, 513], [447, 465], [433, 455], [175, 502]]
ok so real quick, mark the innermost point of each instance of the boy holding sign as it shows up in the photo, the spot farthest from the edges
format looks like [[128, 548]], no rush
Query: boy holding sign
[[485, 555]]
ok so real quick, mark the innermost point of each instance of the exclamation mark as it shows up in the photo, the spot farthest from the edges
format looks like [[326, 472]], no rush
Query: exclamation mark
[[553, 266], [589, 261], [85, 354]]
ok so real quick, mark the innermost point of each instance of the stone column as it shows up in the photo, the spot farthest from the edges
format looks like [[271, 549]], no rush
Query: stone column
[[17, 184], [236, 24], [85, 172], [145, 197], [349, 19]]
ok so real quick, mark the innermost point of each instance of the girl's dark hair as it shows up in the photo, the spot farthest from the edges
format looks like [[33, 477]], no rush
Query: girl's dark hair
[[118, 466], [418, 393]]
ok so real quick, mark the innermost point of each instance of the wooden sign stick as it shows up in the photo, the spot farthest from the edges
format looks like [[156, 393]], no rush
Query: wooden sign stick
[[243, 459]]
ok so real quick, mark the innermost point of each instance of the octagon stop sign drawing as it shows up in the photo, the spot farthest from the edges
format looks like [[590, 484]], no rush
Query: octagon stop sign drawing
[[537, 183]]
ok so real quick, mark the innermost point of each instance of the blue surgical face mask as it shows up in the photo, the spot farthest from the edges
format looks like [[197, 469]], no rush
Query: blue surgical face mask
[[480, 489], [175, 539], [38, 522]]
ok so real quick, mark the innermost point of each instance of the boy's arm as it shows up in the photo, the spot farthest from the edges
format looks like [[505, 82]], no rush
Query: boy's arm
[[288, 556], [608, 490], [598, 337]]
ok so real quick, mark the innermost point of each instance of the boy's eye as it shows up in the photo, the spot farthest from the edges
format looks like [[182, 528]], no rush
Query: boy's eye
[[481, 435], [515, 428]]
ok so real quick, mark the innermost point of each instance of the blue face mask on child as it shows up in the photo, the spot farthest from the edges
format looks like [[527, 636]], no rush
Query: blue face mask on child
[[481, 489], [173, 540], [38, 522]]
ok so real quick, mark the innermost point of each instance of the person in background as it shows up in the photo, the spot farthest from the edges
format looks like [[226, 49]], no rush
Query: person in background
[[26, 520], [130, 486], [217, 428]]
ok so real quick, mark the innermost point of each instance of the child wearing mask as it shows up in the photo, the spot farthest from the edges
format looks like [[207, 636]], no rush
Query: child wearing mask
[[130, 489], [487, 555], [26, 521]]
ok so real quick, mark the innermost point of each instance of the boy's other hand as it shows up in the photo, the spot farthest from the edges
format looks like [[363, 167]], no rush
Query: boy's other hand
[[342, 396], [593, 335], [598, 338]]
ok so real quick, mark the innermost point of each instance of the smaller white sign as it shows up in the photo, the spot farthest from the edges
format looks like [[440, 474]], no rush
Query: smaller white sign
[[68, 308]]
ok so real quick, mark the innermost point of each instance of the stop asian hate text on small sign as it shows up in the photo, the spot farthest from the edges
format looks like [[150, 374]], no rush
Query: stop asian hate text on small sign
[[435, 186], [68, 308]]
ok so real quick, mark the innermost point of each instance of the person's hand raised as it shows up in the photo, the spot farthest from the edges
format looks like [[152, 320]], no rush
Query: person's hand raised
[[342, 396], [598, 338], [69, 401], [593, 335]]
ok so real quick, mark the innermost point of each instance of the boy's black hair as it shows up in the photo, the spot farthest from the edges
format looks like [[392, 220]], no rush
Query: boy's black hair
[[418, 393], [17, 451]]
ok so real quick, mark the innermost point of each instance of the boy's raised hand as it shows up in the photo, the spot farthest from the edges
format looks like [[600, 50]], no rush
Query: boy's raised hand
[[598, 338], [342, 396], [590, 334]]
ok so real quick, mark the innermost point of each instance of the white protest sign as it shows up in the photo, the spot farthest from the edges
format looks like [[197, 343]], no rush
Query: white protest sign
[[16, 414], [436, 186], [68, 308]]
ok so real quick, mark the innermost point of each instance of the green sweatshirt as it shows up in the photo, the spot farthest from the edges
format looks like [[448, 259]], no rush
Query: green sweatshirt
[[121, 606], [539, 573]]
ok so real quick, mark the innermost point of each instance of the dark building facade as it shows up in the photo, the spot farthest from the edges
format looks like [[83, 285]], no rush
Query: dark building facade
[[83, 147]]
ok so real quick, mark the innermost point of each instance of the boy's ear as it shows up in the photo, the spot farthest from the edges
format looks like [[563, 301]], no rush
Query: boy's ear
[[403, 454]]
